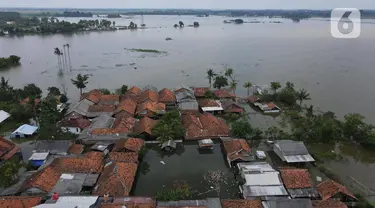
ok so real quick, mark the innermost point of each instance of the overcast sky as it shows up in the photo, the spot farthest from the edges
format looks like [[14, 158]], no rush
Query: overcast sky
[[195, 4]]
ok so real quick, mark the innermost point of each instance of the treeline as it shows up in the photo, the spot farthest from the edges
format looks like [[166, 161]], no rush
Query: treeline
[[74, 14], [9, 62]]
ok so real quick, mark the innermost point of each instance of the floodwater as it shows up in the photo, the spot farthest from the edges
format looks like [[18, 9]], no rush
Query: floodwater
[[338, 73], [187, 164]]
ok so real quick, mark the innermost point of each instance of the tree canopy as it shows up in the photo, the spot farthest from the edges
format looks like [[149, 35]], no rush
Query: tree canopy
[[81, 81], [169, 127], [220, 81]]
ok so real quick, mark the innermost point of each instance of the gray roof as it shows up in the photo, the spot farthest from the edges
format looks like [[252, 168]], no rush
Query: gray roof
[[288, 203], [209, 202], [289, 147], [227, 103], [81, 107], [53, 146], [191, 105], [103, 121], [101, 146], [150, 87], [303, 193], [97, 114], [16, 188], [185, 96], [72, 183], [169, 143]]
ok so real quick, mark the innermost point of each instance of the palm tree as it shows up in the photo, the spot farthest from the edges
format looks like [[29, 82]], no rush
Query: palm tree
[[70, 62], [57, 52], [248, 85], [275, 86], [303, 95], [233, 85], [229, 73], [81, 81], [163, 132], [289, 86], [181, 24], [210, 74]]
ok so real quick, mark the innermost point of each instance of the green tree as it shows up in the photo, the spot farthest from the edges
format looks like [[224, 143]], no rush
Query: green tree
[[105, 91], [233, 85], [303, 95], [241, 129], [31, 90], [53, 91], [220, 81], [163, 132], [209, 94], [48, 117], [81, 81], [9, 172], [289, 86], [355, 128], [169, 127], [63, 98], [210, 75], [122, 90], [248, 85], [275, 86]]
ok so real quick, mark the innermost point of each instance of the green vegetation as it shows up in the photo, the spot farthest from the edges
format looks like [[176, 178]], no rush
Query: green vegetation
[[179, 191], [81, 81], [169, 127], [209, 95], [220, 81], [9, 172], [210, 75], [9, 62], [144, 50], [122, 90], [248, 85], [242, 129], [105, 91]]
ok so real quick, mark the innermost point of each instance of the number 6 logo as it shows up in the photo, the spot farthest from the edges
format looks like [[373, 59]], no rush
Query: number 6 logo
[[345, 23]]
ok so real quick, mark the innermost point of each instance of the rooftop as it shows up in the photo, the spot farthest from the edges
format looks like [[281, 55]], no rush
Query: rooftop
[[7, 149], [43, 180], [148, 95], [328, 204], [134, 90], [233, 146], [26, 129], [288, 203], [131, 157], [150, 106], [231, 106], [112, 99], [166, 96], [101, 108], [70, 202], [128, 105], [3, 116], [80, 108], [209, 103], [132, 144], [241, 203], [19, 201], [76, 149], [296, 178], [223, 94], [144, 125], [121, 125], [76, 122], [71, 184], [93, 96], [200, 91], [53, 146], [330, 188]]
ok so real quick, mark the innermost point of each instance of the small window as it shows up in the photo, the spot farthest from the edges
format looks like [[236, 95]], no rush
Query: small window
[[77, 129]]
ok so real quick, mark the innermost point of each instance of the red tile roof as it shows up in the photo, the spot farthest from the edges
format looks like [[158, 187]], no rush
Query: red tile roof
[[296, 178], [132, 144], [112, 97], [200, 91], [148, 95], [76, 149], [233, 146], [253, 99], [116, 179], [75, 122], [203, 126], [128, 205], [7, 149], [166, 96], [128, 105], [150, 106], [241, 203], [271, 105], [19, 201], [328, 204], [91, 162], [208, 103], [144, 125], [223, 94], [121, 125], [124, 157], [101, 108], [231, 107], [45, 179], [330, 188], [134, 90], [93, 96]]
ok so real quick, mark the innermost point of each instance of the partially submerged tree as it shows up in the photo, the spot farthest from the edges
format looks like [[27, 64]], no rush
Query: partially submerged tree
[[220, 81], [275, 86], [31, 90], [169, 127], [241, 129], [210, 75], [248, 85], [181, 24], [233, 85], [53, 91], [9, 172], [303, 95], [81, 81]]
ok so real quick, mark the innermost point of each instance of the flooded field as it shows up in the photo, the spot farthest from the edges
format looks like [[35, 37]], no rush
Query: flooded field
[[158, 171]]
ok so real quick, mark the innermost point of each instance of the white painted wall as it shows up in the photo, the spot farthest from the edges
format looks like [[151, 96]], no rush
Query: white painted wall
[[73, 130]]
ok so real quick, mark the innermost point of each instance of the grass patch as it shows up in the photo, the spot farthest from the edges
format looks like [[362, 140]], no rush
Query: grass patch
[[142, 50]]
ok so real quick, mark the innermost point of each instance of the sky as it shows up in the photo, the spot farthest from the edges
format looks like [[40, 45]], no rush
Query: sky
[[193, 4]]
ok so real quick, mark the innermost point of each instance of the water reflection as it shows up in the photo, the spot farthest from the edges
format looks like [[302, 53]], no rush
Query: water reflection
[[358, 153]]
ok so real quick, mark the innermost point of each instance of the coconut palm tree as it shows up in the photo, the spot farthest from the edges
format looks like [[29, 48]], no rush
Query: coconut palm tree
[[303, 95], [57, 52], [70, 62], [289, 86], [81, 81], [210, 75], [229, 73], [233, 85], [275, 86], [248, 85]]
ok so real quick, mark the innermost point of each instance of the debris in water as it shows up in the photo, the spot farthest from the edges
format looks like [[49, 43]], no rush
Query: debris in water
[[319, 179], [43, 72], [162, 162], [168, 39], [211, 187], [135, 68], [131, 64]]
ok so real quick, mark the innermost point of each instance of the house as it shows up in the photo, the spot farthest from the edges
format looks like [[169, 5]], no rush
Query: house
[[73, 183], [53, 147], [116, 179], [97, 110], [185, 96], [7, 149], [288, 203], [25, 130], [130, 157], [191, 106], [133, 91], [102, 122], [3, 116], [129, 145], [292, 151], [38, 158], [183, 88], [150, 109], [298, 183], [19, 201], [203, 203], [126, 106], [241, 203], [200, 92], [144, 126], [79, 109], [76, 149], [210, 106], [148, 95], [167, 97], [204, 126], [332, 190], [230, 106], [131, 202], [224, 94], [71, 202], [93, 96], [112, 99], [74, 124], [237, 150], [260, 180], [268, 107], [104, 147], [150, 87], [328, 204], [253, 99]]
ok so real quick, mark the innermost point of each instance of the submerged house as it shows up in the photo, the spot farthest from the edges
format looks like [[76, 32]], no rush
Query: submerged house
[[211, 106], [292, 151], [260, 180], [129, 145], [237, 150], [298, 183], [150, 109], [167, 97], [332, 190], [268, 107], [229, 106], [224, 94]]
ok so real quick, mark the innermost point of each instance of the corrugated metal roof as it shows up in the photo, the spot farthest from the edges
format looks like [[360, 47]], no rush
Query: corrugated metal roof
[[71, 202], [303, 193], [3, 116], [288, 203], [39, 156], [212, 109], [52, 146], [251, 191], [81, 107], [255, 166], [190, 105], [263, 179], [299, 158], [26, 129], [290, 147]]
